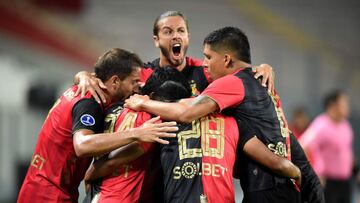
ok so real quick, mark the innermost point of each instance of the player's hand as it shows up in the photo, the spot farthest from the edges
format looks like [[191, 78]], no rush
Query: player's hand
[[266, 72], [298, 180], [153, 130], [88, 82], [87, 186], [136, 101]]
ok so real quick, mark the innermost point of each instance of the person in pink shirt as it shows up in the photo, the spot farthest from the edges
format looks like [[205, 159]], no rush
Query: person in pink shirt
[[329, 139]]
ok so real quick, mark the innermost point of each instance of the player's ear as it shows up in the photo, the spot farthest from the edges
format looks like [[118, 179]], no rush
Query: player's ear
[[228, 61], [156, 40], [114, 80]]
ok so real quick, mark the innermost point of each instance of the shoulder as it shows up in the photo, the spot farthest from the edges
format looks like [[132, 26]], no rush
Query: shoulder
[[226, 80], [245, 74], [318, 124], [69, 96], [114, 108], [152, 64], [321, 119], [193, 62]]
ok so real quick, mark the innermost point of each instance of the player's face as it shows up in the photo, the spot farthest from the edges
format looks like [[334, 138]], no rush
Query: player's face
[[130, 84], [173, 40], [214, 63]]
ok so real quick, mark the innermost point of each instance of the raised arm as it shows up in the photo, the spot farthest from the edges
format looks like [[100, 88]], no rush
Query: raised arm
[[184, 111], [257, 151]]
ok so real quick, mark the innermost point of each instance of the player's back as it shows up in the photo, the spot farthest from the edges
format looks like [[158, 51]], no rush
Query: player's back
[[262, 113], [200, 160], [55, 169]]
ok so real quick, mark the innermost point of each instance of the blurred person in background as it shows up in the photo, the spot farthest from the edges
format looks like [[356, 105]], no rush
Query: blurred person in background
[[329, 139], [300, 122]]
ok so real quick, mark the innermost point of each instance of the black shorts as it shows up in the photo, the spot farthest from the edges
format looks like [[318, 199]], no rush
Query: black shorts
[[284, 193], [311, 190], [338, 191]]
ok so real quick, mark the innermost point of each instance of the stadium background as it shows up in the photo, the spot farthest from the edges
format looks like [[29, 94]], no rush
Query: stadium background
[[312, 45]]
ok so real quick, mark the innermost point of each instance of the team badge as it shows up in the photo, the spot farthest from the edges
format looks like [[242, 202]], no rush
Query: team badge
[[87, 120], [194, 90]]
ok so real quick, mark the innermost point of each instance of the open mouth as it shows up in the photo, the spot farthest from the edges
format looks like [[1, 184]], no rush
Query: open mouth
[[176, 49]]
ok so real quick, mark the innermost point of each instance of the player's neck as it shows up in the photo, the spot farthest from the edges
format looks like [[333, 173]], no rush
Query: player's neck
[[237, 65], [164, 62]]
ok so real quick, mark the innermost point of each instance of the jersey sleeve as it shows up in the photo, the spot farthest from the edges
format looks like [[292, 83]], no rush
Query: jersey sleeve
[[145, 73], [227, 91], [142, 118], [87, 114]]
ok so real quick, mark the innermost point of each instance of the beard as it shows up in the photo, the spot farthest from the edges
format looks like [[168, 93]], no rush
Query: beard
[[167, 55]]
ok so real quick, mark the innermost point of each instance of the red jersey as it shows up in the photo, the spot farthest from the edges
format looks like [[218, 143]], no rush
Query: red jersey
[[55, 171], [124, 185], [219, 140], [200, 160]]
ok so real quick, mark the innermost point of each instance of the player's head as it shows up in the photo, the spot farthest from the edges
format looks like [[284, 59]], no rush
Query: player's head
[[223, 48], [337, 104], [167, 84], [119, 70], [171, 36]]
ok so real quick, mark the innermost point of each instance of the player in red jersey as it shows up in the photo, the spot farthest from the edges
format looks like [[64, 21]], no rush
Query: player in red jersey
[[171, 35], [120, 182], [71, 133], [227, 54]]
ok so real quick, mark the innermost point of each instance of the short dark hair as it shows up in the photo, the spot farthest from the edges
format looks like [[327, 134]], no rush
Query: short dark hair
[[116, 62], [230, 38], [332, 97], [167, 84], [165, 15]]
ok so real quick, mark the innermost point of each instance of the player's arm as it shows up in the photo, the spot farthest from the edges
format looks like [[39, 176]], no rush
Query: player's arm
[[87, 120], [222, 93], [108, 164], [88, 144], [257, 151], [183, 111]]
